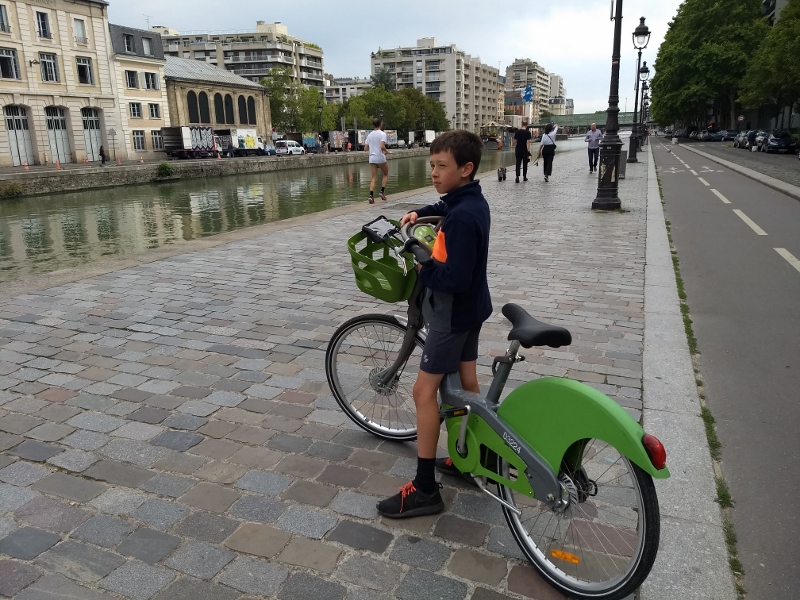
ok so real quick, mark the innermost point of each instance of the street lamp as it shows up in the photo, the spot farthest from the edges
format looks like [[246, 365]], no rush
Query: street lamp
[[608, 180], [319, 108], [641, 37]]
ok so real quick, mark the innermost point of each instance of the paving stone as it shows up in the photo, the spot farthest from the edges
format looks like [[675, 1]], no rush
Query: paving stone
[[257, 457], [309, 492], [35, 451], [210, 497], [14, 576], [118, 501], [138, 431], [179, 463], [340, 475], [51, 515], [69, 487], [224, 398], [160, 514], [369, 572], [421, 553], [206, 527], [134, 451], [304, 586], [374, 461], [131, 394], [257, 405], [191, 392], [356, 439], [462, 531], [220, 472], [79, 561], [177, 440], [58, 587], [525, 581], [300, 466], [86, 440], [23, 474], [478, 508], [257, 509], [6, 527], [50, 432], [158, 386], [104, 531], [73, 460], [423, 584], [94, 402], [167, 485], [56, 413], [501, 541], [360, 536], [475, 566], [119, 473], [219, 449], [486, 594], [200, 559], [187, 588], [254, 576], [217, 429], [268, 484], [8, 441], [27, 543], [96, 422], [357, 505], [187, 422], [311, 554], [261, 540], [328, 451], [137, 580], [248, 434], [148, 545], [382, 485], [307, 522]]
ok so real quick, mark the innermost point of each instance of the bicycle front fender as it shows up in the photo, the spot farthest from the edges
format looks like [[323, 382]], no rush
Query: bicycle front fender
[[551, 414]]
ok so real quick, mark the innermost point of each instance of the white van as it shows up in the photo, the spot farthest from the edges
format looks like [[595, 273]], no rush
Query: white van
[[286, 147]]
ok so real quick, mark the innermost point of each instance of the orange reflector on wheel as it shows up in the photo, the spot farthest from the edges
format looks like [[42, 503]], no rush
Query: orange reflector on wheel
[[565, 556]]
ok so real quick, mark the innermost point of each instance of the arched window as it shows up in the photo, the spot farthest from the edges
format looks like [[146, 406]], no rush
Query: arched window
[[251, 111], [242, 110], [205, 115], [229, 110], [219, 109], [191, 102]]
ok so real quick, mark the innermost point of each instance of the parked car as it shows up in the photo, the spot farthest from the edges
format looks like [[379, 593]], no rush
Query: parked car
[[740, 141], [779, 141], [761, 135], [287, 147], [724, 135], [269, 150], [693, 135], [704, 136]]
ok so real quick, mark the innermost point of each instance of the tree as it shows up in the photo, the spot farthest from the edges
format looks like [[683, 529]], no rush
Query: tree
[[308, 114], [354, 111], [384, 78], [545, 115], [379, 102], [283, 101]]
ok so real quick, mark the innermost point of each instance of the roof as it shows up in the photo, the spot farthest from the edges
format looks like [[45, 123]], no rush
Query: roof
[[197, 70]]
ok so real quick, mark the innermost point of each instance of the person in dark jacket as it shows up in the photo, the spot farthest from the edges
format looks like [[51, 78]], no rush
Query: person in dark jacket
[[522, 150], [455, 305]]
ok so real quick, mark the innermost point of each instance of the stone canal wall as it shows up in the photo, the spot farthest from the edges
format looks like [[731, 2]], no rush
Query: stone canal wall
[[50, 181]]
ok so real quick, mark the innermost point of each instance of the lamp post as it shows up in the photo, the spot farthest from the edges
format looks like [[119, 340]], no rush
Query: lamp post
[[319, 108], [610, 146], [641, 37]]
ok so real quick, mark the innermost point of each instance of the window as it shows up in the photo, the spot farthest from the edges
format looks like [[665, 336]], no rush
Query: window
[[151, 81], [136, 110], [205, 115], [251, 111], [131, 80], [43, 25], [191, 103], [9, 67], [49, 64], [84, 70], [4, 26], [155, 111], [242, 110], [229, 110], [147, 46], [130, 42], [138, 139], [158, 141], [80, 31], [219, 109]]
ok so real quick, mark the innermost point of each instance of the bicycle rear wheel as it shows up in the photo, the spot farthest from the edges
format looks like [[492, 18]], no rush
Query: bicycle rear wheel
[[603, 545], [359, 351]]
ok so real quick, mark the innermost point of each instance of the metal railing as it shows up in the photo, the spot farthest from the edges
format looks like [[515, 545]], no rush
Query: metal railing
[[81, 40]]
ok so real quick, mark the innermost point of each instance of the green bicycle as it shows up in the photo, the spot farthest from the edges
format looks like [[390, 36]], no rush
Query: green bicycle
[[573, 471]]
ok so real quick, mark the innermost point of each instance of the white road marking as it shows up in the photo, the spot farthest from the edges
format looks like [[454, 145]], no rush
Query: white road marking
[[704, 181], [720, 196], [707, 170], [693, 172], [789, 257], [750, 222], [672, 170]]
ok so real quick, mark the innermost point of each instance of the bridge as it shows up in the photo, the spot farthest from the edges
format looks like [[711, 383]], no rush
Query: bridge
[[584, 120]]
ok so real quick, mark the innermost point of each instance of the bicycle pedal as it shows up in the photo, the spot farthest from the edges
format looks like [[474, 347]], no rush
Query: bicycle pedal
[[453, 412]]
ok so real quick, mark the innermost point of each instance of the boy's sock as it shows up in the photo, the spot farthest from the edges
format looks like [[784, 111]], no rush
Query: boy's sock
[[425, 481]]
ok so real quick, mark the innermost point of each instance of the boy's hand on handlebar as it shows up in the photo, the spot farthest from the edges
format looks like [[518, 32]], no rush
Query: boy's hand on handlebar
[[409, 218]]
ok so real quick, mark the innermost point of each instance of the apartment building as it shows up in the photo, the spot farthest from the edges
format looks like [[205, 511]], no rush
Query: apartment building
[[57, 89], [339, 89], [139, 71], [468, 89], [523, 73], [250, 54], [557, 86]]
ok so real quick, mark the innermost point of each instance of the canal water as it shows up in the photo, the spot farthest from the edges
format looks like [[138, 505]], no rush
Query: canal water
[[46, 233]]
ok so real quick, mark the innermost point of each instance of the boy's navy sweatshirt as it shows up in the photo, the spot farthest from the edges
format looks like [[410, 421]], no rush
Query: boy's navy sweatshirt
[[457, 295]]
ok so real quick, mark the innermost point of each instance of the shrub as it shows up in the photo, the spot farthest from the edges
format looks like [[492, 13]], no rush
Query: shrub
[[10, 190], [165, 169]]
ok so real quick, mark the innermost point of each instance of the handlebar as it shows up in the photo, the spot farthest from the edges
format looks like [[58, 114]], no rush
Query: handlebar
[[411, 244]]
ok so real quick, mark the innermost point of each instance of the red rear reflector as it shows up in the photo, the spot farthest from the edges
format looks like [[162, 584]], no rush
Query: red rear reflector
[[655, 450]]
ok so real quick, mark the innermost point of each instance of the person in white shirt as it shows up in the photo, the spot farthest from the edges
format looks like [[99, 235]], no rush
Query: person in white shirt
[[593, 136], [547, 149], [375, 144]]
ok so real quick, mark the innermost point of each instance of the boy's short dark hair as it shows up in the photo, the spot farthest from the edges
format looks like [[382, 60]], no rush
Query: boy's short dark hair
[[377, 122], [464, 145]]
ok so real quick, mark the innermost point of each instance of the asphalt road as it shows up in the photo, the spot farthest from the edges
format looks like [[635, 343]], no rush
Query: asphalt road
[[739, 251]]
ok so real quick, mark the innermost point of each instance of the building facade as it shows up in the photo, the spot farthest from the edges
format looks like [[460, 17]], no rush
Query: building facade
[[58, 94], [339, 89], [202, 94], [557, 86], [468, 89], [523, 73], [250, 54], [139, 71]]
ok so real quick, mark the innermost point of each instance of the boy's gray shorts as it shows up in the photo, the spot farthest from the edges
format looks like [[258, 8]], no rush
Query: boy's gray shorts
[[443, 352]]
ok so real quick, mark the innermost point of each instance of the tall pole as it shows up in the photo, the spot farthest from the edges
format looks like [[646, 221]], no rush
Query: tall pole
[[633, 146], [608, 181]]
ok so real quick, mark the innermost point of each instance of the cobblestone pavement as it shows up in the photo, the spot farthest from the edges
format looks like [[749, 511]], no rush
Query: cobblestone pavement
[[167, 431], [781, 166]]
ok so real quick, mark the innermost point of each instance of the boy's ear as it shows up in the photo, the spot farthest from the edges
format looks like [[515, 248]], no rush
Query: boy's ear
[[467, 170]]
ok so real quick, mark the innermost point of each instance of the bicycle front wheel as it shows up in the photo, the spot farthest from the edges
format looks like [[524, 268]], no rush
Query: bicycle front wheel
[[603, 545], [358, 353]]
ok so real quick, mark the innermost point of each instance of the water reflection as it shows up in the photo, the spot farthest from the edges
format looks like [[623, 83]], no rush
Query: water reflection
[[47, 233]]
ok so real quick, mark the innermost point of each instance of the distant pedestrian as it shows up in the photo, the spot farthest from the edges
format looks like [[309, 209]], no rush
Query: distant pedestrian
[[375, 144], [547, 149], [593, 137], [102, 156], [751, 138], [522, 150]]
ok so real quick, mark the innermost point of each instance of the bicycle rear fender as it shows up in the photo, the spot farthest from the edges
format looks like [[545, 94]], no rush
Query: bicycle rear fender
[[552, 413]]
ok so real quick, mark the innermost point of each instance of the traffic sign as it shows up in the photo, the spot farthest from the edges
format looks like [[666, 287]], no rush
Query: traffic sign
[[741, 118]]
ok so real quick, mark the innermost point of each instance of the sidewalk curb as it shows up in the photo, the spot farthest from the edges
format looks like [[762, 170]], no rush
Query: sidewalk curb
[[692, 562], [775, 184]]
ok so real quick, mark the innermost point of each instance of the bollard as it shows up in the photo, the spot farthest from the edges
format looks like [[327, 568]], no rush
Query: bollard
[[25, 166], [141, 159], [58, 165]]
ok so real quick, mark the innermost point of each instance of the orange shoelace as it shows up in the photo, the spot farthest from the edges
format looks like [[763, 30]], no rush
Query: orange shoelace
[[405, 491]]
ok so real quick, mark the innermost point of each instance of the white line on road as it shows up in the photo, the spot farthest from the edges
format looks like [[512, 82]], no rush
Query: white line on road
[[720, 196], [789, 257], [693, 172], [750, 222], [703, 180]]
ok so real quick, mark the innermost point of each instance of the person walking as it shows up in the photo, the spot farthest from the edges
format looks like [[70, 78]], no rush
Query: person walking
[[593, 136], [547, 149], [375, 145], [102, 156], [522, 150]]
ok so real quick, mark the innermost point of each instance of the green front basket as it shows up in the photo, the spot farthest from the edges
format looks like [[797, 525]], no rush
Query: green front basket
[[378, 271]]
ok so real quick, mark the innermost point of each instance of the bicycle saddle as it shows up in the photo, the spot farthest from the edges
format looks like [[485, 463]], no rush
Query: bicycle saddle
[[530, 332]]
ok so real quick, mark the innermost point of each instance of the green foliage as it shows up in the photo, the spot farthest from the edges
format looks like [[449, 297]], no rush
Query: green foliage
[[378, 102], [354, 111], [10, 190], [545, 116], [385, 79], [308, 103], [165, 169], [284, 103]]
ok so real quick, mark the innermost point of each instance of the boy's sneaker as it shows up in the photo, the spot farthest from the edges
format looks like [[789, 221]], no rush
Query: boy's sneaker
[[410, 502], [383, 196], [445, 466]]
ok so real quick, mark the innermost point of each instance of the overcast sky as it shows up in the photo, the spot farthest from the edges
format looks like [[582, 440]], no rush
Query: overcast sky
[[573, 38]]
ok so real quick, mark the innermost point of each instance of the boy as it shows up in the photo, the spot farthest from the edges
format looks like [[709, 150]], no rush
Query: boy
[[375, 144], [455, 305]]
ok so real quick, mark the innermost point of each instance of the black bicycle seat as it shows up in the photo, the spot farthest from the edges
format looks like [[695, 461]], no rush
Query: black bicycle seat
[[530, 332]]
